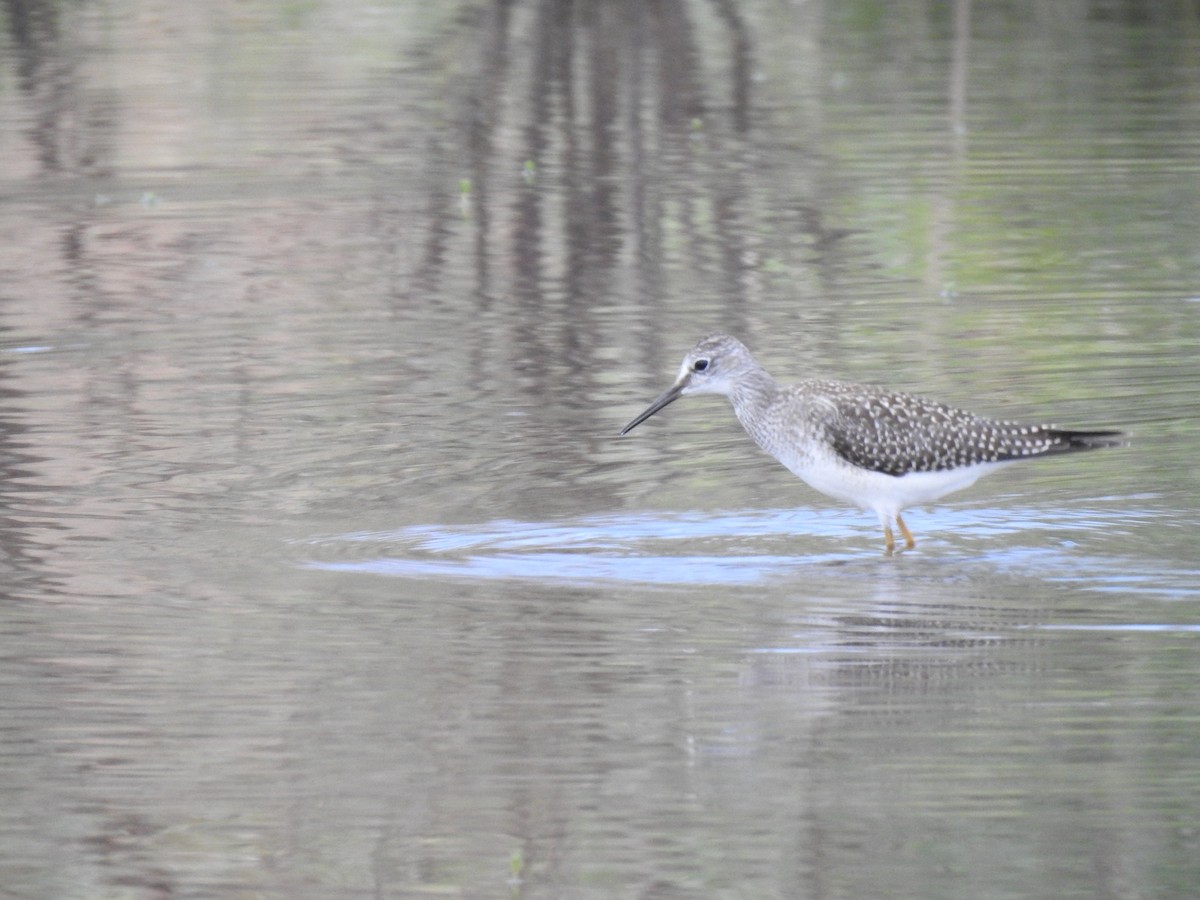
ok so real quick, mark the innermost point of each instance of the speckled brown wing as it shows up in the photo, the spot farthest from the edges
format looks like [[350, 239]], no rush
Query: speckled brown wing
[[897, 433]]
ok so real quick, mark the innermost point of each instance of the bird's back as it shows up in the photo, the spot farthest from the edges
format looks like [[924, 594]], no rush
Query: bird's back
[[896, 433]]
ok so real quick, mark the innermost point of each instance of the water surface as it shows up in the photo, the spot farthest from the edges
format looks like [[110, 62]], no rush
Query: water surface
[[326, 574]]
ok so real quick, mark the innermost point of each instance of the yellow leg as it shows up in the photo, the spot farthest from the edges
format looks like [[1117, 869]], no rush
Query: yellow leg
[[889, 542], [909, 543]]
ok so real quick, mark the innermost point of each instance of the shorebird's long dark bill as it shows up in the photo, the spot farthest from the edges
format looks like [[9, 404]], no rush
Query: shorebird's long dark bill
[[665, 400]]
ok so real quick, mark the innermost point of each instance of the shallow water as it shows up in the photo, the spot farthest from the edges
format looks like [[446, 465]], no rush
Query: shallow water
[[328, 576]]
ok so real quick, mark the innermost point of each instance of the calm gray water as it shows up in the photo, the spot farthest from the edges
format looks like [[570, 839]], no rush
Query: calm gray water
[[326, 575]]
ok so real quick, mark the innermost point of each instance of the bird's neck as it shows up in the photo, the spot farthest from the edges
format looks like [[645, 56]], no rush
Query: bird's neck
[[752, 397]]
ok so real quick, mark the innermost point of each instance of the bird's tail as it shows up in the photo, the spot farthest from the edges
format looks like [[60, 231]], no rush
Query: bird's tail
[[1089, 440]]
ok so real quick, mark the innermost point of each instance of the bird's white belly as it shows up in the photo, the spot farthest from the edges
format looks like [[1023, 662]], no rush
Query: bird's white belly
[[866, 489]]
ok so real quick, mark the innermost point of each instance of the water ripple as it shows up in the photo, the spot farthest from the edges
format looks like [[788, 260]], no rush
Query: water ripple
[[754, 547]]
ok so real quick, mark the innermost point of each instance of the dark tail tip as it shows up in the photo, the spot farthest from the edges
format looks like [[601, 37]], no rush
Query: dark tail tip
[[1093, 440]]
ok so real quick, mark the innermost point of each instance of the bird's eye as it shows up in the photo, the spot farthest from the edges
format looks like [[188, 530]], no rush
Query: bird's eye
[[700, 365]]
